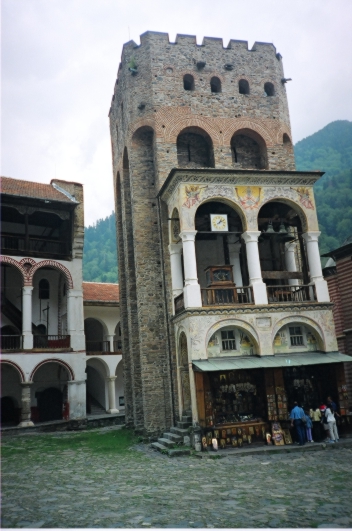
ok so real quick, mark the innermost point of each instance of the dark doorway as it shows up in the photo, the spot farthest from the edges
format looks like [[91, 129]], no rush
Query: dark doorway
[[9, 413], [50, 404]]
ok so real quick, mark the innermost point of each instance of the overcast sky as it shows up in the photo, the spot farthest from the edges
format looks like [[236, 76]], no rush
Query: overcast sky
[[60, 58]]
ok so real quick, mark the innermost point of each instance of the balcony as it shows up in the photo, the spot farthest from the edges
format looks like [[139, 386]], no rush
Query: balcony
[[51, 342], [227, 296], [102, 347], [294, 293], [40, 247], [11, 342]]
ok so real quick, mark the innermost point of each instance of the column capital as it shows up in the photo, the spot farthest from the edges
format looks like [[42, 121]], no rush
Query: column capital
[[175, 248], [26, 384], [27, 289], [251, 235], [111, 378], [188, 235], [311, 236], [290, 246]]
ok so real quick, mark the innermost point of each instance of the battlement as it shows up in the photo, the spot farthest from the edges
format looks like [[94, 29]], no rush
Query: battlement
[[191, 40]]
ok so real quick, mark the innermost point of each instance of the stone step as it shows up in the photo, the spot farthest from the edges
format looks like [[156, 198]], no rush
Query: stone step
[[175, 452], [187, 418], [182, 432], [166, 442], [183, 424], [158, 446], [173, 437]]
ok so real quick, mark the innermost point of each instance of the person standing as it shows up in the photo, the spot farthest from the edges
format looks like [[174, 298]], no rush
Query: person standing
[[330, 415], [296, 417], [309, 426], [315, 415]]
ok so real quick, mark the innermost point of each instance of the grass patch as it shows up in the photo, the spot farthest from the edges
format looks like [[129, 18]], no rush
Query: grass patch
[[111, 442]]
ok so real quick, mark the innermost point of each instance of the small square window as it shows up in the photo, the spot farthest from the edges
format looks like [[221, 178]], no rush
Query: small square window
[[228, 340], [296, 336]]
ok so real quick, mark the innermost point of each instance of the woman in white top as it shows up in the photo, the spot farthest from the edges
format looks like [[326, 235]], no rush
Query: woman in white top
[[329, 414]]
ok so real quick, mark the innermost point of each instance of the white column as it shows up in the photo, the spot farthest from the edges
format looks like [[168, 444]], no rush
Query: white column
[[26, 405], [192, 295], [254, 269], [110, 338], [316, 274], [27, 317], [175, 250], [234, 254], [111, 392], [290, 261], [195, 418], [75, 322], [76, 396]]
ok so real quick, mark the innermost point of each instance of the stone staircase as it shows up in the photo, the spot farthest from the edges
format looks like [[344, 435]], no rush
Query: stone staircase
[[172, 442], [95, 407]]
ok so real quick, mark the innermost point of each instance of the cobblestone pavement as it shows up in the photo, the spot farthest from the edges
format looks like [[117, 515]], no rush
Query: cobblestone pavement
[[45, 485]]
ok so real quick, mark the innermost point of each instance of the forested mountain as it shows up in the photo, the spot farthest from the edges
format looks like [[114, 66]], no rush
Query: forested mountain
[[99, 254], [329, 150]]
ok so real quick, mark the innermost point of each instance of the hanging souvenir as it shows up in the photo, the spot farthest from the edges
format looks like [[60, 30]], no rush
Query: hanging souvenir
[[240, 442], [222, 443], [234, 441]]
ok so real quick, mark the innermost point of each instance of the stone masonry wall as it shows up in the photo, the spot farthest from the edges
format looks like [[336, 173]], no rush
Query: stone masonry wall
[[148, 112]]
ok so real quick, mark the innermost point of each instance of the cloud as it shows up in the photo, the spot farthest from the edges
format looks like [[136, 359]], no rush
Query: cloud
[[60, 60]]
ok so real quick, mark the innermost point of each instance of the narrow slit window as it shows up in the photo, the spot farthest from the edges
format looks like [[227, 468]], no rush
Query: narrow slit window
[[44, 289], [243, 86], [188, 82], [215, 84]]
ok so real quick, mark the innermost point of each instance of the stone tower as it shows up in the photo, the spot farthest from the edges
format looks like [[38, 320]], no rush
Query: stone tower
[[188, 113]]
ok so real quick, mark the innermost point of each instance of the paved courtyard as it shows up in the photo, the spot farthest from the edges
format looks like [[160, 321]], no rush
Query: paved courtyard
[[102, 478]]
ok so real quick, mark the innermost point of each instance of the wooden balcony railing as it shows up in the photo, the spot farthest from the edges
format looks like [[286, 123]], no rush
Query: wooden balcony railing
[[291, 293], [227, 296], [51, 341], [98, 346], [40, 246], [179, 303], [11, 342]]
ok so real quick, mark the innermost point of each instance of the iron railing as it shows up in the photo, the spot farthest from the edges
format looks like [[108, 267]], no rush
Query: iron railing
[[51, 341], [291, 293], [11, 342], [227, 296], [98, 346]]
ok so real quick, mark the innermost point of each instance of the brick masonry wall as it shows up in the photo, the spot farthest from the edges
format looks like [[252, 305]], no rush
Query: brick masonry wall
[[148, 112]]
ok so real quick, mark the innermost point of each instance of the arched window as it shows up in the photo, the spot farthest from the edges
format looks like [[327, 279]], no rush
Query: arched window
[[215, 84], [188, 82], [194, 149], [269, 89], [286, 139], [41, 330], [243, 86], [248, 150], [44, 289]]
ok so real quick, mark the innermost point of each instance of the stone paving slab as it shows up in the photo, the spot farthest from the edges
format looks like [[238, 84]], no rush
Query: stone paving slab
[[74, 486]]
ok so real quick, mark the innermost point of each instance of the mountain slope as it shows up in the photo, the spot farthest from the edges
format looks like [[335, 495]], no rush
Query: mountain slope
[[329, 150]]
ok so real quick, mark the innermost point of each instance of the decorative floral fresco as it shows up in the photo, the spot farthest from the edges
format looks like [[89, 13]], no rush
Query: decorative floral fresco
[[249, 200], [202, 331]]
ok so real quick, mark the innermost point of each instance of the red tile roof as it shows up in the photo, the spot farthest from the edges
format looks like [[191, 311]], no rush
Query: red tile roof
[[101, 292], [31, 189]]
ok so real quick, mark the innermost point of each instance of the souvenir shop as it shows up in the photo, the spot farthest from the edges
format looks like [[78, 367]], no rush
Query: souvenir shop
[[245, 406]]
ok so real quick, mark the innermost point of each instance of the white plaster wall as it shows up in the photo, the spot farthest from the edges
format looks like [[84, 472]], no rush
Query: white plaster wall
[[38, 315], [108, 315], [119, 385], [262, 327]]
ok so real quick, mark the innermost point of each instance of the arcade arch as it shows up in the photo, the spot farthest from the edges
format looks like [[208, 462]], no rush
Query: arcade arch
[[49, 393], [249, 150], [11, 394], [195, 149]]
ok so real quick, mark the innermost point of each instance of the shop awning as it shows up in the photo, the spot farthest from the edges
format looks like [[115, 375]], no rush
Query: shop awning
[[268, 362]]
